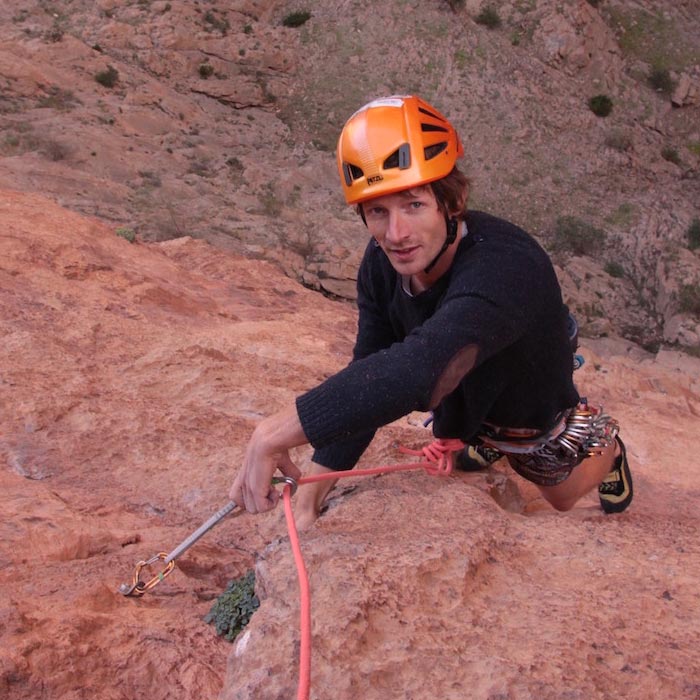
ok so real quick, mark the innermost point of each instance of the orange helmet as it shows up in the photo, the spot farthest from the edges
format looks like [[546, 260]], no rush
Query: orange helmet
[[392, 144]]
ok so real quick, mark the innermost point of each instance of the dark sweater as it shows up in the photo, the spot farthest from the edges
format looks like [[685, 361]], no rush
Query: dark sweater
[[499, 306]]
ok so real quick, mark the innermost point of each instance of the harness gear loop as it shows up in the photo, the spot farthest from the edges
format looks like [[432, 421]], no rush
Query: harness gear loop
[[139, 587]]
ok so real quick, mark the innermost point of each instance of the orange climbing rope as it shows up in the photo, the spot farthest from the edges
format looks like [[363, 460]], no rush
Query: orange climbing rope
[[437, 461]]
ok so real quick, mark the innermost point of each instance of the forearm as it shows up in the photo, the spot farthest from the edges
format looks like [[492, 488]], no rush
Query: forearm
[[282, 430]]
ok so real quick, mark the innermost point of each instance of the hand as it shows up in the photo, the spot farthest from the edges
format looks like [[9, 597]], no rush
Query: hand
[[267, 451]]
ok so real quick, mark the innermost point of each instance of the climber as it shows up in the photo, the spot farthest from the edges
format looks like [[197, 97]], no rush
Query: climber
[[460, 314]]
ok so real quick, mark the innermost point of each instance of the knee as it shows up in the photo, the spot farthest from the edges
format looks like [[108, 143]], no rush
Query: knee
[[560, 503]]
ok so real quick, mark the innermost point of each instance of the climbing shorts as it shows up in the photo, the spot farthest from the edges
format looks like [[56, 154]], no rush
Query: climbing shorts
[[547, 459]]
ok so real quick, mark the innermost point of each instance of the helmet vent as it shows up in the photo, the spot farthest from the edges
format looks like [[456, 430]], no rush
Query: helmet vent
[[400, 158], [352, 173], [432, 127], [434, 150], [431, 114]]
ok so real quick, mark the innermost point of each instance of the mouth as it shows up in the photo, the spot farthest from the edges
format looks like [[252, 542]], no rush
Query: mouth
[[404, 254]]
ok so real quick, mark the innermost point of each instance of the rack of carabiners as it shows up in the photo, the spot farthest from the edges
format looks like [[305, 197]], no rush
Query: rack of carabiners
[[137, 587]]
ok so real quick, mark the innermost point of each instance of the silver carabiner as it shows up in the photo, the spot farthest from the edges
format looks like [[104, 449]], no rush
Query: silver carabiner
[[288, 480]]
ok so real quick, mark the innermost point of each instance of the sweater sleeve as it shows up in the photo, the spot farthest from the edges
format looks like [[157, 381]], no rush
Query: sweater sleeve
[[374, 333]]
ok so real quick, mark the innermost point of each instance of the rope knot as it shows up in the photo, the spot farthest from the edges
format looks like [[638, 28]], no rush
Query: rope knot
[[438, 455]]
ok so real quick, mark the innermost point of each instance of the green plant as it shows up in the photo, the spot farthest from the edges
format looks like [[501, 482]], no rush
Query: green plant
[[600, 105], [269, 200], [577, 237], [489, 17], [233, 609], [58, 98], [660, 80], [689, 299], [671, 155], [206, 70], [614, 269], [128, 234], [54, 150], [618, 140], [108, 77], [296, 19], [212, 22], [248, 29], [693, 234]]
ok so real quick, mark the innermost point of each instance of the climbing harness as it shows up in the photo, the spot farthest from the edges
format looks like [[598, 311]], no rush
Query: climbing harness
[[138, 587]]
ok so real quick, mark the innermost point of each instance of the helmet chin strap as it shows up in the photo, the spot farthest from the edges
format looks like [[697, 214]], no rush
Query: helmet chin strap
[[450, 238]]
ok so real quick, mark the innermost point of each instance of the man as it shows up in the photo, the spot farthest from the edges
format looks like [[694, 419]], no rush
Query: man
[[460, 314]]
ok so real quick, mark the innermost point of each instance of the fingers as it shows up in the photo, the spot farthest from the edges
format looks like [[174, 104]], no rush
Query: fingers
[[252, 488]]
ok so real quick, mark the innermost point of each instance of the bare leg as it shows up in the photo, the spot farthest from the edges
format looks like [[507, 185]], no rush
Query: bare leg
[[310, 498], [585, 477]]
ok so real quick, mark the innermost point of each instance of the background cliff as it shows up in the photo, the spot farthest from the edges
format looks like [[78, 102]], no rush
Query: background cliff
[[219, 121], [132, 374]]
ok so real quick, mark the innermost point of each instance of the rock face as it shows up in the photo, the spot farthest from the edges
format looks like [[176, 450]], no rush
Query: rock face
[[132, 376]]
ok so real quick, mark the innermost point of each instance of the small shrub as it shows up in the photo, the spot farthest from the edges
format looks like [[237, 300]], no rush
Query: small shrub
[[233, 609], [206, 70], [213, 22], [128, 234], [594, 3], [600, 105], [54, 35], [200, 167], [619, 141], [59, 99], [248, 29], [235, 165], [296, 19], [671, 155], [689, 299], [108, 77], [660, 80], [270, 202], [614, 269], [577, 237], [489, 17], [54, 150], [693, 234]]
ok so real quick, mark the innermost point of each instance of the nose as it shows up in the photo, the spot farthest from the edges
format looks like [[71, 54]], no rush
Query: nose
[[397, 229]]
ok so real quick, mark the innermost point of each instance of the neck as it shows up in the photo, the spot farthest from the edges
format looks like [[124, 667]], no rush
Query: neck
[[425, 280]]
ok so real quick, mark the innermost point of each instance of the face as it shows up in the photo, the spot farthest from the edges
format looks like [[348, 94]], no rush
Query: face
[[408, 226]]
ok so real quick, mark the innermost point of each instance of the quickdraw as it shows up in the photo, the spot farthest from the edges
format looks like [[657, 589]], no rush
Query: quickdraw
[[137, 587]]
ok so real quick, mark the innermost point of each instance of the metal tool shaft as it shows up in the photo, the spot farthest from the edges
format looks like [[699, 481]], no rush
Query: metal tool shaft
[[200, 531]]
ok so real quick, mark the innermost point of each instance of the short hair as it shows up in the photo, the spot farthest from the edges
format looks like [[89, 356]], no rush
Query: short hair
[[451, 190], [448, 192]]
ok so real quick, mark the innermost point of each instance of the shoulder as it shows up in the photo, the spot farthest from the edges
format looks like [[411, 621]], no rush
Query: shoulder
[[376, 274], [483, 226], [498, 257]]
